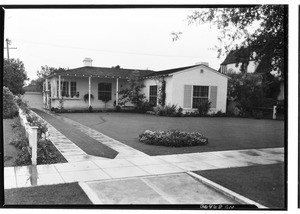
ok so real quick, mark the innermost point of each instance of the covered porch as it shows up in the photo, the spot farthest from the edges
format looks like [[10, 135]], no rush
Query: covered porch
[[81, 92]]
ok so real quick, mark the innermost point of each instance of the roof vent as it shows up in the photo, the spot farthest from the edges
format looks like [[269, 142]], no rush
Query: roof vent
[[87, 62]]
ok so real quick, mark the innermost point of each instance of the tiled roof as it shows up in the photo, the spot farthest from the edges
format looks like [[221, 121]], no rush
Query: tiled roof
[[169, 71], [103, 72]]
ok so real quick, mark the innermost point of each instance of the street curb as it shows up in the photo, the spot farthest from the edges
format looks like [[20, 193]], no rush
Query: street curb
[[90, 193], [241, 199]]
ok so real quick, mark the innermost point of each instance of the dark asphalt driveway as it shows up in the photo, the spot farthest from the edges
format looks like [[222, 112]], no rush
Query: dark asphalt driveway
[[223, 133]]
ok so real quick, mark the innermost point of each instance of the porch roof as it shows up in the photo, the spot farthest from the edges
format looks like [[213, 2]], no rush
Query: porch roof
[[89, 71]]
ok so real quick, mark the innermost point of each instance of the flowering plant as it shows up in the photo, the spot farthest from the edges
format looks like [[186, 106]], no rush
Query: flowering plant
[[174, 138]]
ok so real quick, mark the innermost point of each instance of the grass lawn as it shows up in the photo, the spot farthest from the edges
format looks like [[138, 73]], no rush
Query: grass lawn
[[47, 195], [263, 184], [222, 133], [10, 152]]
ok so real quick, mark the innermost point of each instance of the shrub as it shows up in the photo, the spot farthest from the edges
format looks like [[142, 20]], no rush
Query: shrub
[[90, 108], [10, 109], [168, 110], [35, 121], [86, 97], [143, 107], [23, 157], [23, 105], [203, 107], [219, 114], [179, 112], [118, 108], [48, 154], [173, 138]]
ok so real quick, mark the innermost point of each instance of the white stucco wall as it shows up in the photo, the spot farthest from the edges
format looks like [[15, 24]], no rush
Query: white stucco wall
[[149, 82], [231, 68], [175, 86], [195, 77], [82, 86]]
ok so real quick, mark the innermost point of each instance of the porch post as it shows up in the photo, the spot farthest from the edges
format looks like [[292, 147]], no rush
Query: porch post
[[117, 92], [59, 87], [47, 94], [89, 91]]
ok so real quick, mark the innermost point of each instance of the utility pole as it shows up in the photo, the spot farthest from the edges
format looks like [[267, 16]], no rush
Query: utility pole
[[8, 42]]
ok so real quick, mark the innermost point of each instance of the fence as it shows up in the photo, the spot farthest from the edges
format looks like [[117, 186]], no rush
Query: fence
[[31, 134], [269, 113]]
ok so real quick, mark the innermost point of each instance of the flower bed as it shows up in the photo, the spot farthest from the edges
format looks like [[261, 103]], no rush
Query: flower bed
[[173, 138], [46, 152]]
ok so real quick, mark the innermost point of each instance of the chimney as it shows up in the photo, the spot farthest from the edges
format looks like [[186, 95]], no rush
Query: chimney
[[202, 63], [87, 62]]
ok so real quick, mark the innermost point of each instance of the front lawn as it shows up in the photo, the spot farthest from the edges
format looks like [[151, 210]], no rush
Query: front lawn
[[61, 194], [222, 133], [263, 183]]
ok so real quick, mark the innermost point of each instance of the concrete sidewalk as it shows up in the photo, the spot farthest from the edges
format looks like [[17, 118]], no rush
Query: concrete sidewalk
[[109, 169]]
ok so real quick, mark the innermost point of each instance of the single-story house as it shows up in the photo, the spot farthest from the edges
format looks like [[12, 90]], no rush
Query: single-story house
[[184, 87]]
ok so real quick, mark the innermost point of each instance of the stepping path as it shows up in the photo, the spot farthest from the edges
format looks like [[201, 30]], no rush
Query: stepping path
[[82, 140]]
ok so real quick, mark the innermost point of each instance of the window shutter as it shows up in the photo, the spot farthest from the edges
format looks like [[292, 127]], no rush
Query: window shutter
[[187, 96], [213, 96]]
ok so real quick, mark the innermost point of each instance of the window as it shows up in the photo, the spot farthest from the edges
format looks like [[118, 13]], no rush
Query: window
[[200, 94], [224, 69], [65, 89], [153, 95], [73, 89], [49, 88], [104, 91]]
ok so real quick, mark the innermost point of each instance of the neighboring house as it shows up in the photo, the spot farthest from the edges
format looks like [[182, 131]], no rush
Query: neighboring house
[[231, 65], [33, 95], [184, 86]]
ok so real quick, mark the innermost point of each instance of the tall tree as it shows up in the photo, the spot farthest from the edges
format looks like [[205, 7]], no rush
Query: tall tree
[[14, 75], [47, 70], [258, 29]]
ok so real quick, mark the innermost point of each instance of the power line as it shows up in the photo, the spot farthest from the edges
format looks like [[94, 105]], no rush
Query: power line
[[115, 51]]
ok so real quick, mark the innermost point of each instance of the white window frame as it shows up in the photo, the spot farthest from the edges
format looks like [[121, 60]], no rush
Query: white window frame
[[208, 96]]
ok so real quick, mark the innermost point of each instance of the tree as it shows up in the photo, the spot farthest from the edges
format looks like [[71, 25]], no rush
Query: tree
[[258, 29], [10, 109], [14, 75], [133, 92], [47, 70], [249, 92]]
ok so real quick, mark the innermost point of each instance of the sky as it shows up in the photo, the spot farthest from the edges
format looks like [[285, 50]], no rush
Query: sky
[[131, 38]]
